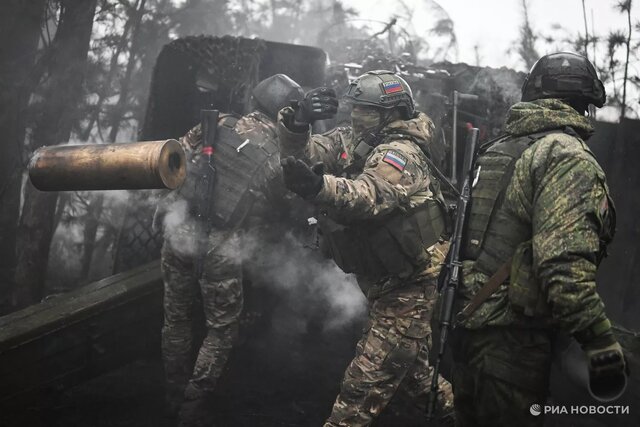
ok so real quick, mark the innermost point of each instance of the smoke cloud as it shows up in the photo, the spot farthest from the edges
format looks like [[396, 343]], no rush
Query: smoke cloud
[[179, 228], [312, 285], [278, 258]]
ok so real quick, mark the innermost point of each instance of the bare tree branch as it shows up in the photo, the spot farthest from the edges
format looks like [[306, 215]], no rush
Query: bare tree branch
[[625, 6]]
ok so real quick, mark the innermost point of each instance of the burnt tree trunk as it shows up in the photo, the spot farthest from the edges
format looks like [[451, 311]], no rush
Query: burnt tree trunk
[[20, 25], [61, 92]]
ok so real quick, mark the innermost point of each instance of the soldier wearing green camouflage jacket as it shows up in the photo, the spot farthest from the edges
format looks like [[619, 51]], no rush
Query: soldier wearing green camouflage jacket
[[380, 216], [541, 212], [247, 161]]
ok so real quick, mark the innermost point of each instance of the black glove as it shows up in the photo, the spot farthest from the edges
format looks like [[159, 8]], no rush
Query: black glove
[[318, 104], [300, 178]]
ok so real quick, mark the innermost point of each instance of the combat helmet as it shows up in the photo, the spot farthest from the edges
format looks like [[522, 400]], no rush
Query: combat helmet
[[276, 92], [382, 89], [564, 75]]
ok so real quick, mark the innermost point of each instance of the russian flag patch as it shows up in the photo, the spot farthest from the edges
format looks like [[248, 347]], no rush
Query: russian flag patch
[[395, 159], [392, 86]]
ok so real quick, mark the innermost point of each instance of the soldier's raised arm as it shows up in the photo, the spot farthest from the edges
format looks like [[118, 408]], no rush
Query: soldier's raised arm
[[294, 129], [374, 168]]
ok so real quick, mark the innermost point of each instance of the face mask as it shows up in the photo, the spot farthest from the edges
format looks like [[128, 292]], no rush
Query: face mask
[[363, 120]]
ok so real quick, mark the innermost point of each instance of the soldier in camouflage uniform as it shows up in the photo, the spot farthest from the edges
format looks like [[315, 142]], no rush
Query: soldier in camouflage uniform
[[540, 219], [382, 217], [259, 191]]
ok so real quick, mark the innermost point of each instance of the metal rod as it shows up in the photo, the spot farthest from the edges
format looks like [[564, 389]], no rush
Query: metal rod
[[454, 139]]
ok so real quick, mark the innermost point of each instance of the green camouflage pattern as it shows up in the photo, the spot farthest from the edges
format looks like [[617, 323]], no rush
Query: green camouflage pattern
[[545, 114], [559, 189], [392, 353], [498, 374]]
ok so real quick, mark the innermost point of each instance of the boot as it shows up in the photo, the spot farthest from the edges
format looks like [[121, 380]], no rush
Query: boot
[[197, 408]]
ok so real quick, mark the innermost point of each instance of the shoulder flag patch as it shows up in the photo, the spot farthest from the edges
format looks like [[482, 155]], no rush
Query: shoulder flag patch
[[395, 159], [392, 86]]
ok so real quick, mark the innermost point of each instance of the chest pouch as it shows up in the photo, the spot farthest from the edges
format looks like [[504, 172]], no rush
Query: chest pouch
[[394, 246]]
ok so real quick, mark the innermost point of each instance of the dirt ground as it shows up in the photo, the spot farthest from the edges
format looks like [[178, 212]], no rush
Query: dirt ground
[[282, 373]]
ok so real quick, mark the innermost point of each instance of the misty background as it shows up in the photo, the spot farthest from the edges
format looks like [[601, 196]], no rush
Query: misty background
[[79, 71]]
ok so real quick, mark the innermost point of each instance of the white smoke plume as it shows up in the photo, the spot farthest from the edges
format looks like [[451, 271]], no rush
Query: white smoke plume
[[179, 228], [309, 282], [275, 257]]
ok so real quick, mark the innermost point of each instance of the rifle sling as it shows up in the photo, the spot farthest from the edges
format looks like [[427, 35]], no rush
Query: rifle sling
[[488, 289], [443, 179]]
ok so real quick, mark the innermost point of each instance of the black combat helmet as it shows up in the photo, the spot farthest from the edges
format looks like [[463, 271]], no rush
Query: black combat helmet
[[567, 76], [276, 92], [382, 89]]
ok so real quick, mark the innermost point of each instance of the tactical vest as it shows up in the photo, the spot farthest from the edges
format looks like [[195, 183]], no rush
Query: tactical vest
[[393, 246], [238, 161], [492, 237]]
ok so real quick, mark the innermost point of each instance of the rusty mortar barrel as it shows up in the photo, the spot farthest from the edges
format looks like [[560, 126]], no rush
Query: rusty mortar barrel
[[125, 166]]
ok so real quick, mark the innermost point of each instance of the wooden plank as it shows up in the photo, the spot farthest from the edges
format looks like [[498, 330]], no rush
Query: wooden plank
[[81, 334], [76, 306], [53, 304]]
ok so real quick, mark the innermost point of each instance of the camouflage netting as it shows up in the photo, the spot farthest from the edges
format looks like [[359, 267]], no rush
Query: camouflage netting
[[137, 241], [199, 72], [433, 88], [498, 89]]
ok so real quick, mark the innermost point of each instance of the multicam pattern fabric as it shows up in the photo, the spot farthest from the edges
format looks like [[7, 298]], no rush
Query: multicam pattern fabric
[[359, 191], [392, 353], [560, 190], [221, 291], [220, 287], [253, 121]]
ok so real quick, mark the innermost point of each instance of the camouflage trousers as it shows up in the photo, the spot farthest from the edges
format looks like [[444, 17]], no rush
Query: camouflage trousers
[[391, 357], [220, 288], [499, 373]]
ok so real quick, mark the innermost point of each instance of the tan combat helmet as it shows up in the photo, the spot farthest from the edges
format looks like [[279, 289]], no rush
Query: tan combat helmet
[[382, 89]]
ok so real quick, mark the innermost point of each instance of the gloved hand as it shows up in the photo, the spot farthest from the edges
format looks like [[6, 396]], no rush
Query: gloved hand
[[300, 178], [318, 104], [608, 369]]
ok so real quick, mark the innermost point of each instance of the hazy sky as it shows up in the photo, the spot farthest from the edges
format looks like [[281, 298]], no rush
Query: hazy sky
[[493, 25]]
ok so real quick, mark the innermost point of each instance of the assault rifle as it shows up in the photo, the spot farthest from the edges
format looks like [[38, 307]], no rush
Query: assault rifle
[[451, 273], [204, 188]]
